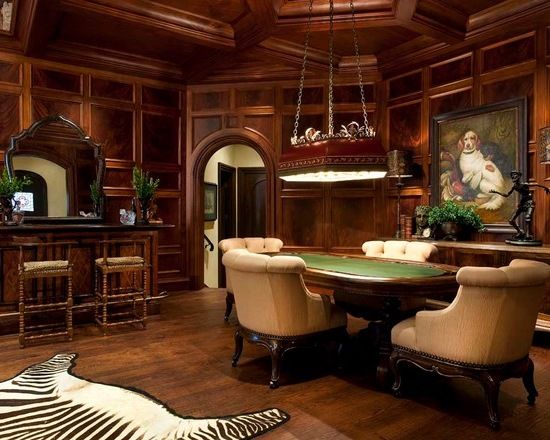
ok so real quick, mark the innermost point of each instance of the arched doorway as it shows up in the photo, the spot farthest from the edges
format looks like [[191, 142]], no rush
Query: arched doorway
[[235, 176], [195, 184]]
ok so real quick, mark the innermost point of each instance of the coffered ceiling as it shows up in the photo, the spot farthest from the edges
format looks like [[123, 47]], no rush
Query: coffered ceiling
[[230, 40]]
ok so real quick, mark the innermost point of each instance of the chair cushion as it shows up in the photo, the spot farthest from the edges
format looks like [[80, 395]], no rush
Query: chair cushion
[[120, 261], [40, 266]]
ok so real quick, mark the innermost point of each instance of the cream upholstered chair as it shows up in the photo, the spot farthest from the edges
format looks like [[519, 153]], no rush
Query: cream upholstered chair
[[485, 333], [400, 250], [257, 245], [404, 250], [274, 307]]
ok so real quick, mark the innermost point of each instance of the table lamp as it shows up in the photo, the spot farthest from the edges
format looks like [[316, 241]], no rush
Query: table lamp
[[399, 166]]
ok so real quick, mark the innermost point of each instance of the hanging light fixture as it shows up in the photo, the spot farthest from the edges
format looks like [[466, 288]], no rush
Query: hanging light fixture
[[352, 153]]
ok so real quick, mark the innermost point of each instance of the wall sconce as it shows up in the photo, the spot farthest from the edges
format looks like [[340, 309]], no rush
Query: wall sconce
[[399, 166], [544, 145]]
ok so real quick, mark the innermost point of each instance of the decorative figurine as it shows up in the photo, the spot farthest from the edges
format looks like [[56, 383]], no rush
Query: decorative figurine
[[421, 221], [526, 206]]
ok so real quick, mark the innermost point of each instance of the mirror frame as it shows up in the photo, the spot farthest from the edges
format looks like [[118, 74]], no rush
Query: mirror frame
[[29, 133]]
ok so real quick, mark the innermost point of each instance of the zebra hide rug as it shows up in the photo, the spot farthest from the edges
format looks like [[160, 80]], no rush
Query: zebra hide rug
[[47, 402]]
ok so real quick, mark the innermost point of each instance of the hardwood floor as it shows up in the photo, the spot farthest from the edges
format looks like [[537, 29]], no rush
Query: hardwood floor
[[184, 359]]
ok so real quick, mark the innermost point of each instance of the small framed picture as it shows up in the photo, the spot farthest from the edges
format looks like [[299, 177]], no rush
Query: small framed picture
[[7, 16], [210, 202]]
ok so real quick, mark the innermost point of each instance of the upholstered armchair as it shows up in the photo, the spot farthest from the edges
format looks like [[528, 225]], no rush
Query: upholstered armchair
[[275, 308], [484, 334], [257, 245], [400, 250]]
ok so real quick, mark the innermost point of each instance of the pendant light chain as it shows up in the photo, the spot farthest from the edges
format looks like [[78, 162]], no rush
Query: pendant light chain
[[330, 69], [357, 59], [302, 77]]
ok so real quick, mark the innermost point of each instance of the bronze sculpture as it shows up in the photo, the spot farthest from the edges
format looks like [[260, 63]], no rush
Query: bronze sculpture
[[526, 206]]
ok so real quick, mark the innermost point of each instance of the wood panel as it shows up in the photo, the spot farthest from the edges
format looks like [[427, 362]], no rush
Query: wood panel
[[106, 88], [452, 101], [160, 138], [351, 217], [10, 72], [405, 123], [303, 225], [405, 85], [56, 80], [261, 123], [255, 97], [451, 71], [203, 126], [42, 107], [10, 112], [114, 129], [513, 52]]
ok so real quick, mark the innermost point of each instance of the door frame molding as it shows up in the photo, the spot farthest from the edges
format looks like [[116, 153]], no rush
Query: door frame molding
[[195, 189]]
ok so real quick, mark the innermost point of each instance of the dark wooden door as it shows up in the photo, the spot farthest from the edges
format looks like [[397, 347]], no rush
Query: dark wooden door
[[252, 184], [227, 218]]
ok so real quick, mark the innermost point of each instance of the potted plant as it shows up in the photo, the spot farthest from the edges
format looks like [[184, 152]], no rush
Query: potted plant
[[454, 220], [145, 188], [96, 194], [8, 187]]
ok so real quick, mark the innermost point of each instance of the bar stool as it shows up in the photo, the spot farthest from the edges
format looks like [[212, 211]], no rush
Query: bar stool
[[121, 283], [45, 290]]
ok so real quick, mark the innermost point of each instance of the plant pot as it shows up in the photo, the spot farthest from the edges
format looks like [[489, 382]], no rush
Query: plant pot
[[144, 209], [6, 204], [454, 231], [450, 230]]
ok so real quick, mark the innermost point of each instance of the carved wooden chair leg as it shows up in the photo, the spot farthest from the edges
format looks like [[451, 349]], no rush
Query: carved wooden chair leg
[[276, 352], [491, 385], [229, 300], [394, 367], [529, 382], [238, 348]]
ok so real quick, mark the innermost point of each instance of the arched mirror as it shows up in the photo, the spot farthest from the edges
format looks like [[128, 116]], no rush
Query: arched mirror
[[62, 162]]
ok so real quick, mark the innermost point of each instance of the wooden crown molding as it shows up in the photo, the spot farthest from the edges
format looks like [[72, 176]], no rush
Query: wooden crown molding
[[114, 61], [192, 27]]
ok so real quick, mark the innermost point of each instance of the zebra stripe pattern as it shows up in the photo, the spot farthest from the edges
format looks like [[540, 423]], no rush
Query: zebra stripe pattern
[[47, 402]]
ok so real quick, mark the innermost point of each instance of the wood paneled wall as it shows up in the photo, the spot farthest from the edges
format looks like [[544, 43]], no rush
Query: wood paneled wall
[[511, 68], [136, 121], [172, 131]]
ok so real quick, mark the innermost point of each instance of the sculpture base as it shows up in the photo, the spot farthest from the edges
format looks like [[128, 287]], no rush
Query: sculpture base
[[519, 242]]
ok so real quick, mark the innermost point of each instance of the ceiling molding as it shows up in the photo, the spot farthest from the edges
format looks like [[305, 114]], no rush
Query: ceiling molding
[[257, 25], [114, 61], [192, 27]]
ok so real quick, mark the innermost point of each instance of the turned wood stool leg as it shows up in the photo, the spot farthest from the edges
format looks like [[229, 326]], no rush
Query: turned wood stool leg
[[21, 311], [69, 312]]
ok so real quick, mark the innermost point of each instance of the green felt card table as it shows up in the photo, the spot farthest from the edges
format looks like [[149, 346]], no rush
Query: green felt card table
[[377, 288]]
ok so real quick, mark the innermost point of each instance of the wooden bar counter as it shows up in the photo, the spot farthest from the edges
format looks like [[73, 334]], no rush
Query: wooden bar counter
[[83, 255]]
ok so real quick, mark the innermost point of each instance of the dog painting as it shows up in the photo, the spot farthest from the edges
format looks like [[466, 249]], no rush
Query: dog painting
[[477, 149]]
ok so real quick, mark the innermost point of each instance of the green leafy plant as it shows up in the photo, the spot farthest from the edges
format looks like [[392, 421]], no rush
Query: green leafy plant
[[449, 211], [144, 185], [10, 185]]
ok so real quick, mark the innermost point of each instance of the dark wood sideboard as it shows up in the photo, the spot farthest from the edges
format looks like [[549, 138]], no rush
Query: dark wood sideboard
[[83, 255], [495, 254]]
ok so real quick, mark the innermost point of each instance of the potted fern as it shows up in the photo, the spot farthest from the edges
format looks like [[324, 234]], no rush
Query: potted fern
[[454, 220], [145, 187], [8, 187]]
